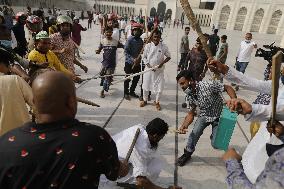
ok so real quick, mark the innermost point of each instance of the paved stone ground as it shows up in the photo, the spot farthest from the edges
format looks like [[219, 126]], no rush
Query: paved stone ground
[[205, 170]]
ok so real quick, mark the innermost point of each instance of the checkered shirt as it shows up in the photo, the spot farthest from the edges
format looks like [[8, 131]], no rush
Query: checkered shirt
[[207, 99]]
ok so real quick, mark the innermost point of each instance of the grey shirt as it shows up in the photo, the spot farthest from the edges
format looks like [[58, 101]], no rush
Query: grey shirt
[[221, 51], [184, 45]]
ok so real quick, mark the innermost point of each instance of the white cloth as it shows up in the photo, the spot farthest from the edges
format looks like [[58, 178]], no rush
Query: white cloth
[[96, 18], [259, 112], [115, 34], [122, 24], [255, 155], [128, 30], [245, 51], [154, 55], [144, 160], [144, 35]]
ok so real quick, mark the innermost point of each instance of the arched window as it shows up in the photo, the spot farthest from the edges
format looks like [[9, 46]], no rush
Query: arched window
[[161, 10], [169, 14], [153, 12], [240, 20], [258, 16], [273, 25], [224, 16]]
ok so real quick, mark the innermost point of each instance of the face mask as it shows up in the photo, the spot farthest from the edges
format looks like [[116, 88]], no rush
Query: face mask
[[188, 90], [247, 41], [6, 43]]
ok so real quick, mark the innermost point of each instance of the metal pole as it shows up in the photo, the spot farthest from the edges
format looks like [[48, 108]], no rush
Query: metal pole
[[176, 134]]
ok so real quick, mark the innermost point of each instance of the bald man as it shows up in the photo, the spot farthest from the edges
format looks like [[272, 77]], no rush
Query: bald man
[[57, 151]]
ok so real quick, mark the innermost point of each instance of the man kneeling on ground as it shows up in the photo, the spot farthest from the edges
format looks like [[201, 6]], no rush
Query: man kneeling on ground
[[145, 163]]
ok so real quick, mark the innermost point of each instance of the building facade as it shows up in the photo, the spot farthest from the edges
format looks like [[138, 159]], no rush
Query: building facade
[[20, 5], [262, 16], [162, 8]]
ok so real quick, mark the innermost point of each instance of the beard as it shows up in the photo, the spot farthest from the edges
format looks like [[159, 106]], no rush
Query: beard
[[65, 33], [154, 145]]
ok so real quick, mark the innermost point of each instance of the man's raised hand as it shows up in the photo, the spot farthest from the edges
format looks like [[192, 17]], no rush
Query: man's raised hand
[[216, 66], [239, 105]]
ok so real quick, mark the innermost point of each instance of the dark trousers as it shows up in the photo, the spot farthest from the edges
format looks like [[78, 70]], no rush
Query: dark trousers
[[241, 66], [182, 63], [128, 70], [89, 24]]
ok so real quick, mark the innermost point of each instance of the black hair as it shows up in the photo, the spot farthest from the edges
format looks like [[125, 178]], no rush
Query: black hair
[[186, 74], [249, 33], [198, 40], [6, 57], [187, 28], [216, 31], [157, 32], [150, 25], [115, 24], [108, 29], [157, 126], [224, 37]]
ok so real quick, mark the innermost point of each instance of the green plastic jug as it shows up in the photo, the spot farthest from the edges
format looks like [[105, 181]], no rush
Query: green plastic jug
[[225, 129]]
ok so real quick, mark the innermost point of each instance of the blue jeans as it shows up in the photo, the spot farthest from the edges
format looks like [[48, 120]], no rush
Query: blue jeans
[[241, 66], [198, 128]]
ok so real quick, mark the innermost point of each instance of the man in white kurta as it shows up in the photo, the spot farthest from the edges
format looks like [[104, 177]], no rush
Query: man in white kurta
[[144, 160], [154, 55]]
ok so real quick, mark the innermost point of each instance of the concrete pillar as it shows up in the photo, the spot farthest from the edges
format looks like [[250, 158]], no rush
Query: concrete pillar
[[280, 29], [267, 16], [282, 42], [216, 13], [249, 17], [233, 15]]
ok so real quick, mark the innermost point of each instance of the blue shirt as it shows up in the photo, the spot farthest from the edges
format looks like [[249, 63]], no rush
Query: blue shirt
[[109, 56], [133, 47], [272, 175]]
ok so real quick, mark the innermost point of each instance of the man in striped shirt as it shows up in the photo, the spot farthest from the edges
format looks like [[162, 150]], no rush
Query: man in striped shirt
[[204, 99]]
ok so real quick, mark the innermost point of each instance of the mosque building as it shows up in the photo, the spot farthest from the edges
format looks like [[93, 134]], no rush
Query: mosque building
[[261, 16]]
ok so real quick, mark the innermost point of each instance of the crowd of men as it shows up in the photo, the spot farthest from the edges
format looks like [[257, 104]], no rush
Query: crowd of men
[[55, 150]]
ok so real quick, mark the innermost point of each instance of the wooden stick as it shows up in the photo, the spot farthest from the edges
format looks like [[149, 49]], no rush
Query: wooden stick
[[176, 131], [146, 23], [148, 41], [276, 65], [87, 102], [132, 145], [195, 25], [78, 47], [133, 75], [103, 76]]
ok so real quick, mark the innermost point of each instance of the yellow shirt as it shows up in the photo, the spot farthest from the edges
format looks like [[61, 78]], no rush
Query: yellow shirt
[[51, 58], [14, 94], [52, 29]]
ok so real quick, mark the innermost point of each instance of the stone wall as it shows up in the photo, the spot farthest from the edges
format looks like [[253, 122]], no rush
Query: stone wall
[[262, 16], [62, 4]]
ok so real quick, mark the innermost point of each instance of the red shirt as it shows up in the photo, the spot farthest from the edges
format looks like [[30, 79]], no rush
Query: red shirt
[[76, 33]]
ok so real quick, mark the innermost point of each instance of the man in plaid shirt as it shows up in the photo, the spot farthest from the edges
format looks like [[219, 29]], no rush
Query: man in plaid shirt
[[204, 99]]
